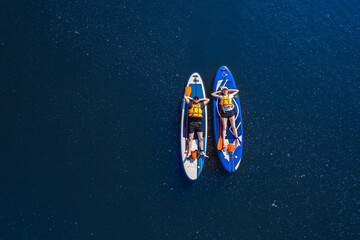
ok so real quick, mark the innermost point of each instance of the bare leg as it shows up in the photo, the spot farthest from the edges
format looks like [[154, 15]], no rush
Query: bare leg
[[223, 132], [233, 126], [201, 143], [191, 137]]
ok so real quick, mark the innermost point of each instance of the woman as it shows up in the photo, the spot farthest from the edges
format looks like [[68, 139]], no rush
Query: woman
[[227, 112]]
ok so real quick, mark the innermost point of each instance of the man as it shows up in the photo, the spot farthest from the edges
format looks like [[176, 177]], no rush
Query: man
[[195, 110]]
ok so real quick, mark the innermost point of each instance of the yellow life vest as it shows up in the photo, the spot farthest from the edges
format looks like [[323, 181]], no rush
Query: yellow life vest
[[226, 102], [195, 111]]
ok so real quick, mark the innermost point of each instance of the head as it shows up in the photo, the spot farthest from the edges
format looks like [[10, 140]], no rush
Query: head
[[196, 99], [225, 91]]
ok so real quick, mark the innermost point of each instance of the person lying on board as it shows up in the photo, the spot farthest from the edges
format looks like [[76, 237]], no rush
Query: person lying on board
[[195, 110], [226, 97]]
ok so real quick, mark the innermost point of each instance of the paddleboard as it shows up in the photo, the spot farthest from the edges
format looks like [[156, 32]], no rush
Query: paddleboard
[[193, 167], [230, 160]]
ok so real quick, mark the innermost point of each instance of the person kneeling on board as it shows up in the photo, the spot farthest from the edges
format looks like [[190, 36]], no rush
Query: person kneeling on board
[[196, 106], [227, 112]]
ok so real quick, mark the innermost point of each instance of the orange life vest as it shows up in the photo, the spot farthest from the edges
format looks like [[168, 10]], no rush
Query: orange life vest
[[226, 102], [195, 111]]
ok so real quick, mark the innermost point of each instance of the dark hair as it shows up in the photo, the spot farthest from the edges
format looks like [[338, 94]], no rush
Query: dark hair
[[196, 98]]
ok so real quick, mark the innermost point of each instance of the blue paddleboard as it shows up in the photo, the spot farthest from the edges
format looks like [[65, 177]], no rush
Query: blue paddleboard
[[230, 161]]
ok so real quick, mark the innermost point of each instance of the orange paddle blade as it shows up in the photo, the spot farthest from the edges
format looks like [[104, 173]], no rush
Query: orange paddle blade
[[220, 144], [188, 91], [193, 154], [230, 147]]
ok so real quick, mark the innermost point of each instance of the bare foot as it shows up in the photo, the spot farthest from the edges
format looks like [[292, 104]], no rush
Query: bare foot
[[237, 143], [203, 154], [189, 154]]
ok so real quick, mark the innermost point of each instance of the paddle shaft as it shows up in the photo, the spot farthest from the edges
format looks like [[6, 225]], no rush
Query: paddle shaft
[[187, 138], [187, 93], [220, 141]]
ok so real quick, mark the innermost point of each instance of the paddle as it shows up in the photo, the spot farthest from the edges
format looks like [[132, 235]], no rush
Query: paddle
[[220, 141], [187, 93]]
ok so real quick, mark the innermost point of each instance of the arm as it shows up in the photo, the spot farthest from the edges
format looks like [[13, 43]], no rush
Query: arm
[[216, 94], [205, 100], [233, 91], [187, 99]]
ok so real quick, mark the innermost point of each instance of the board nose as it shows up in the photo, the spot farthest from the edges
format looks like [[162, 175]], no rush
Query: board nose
[[195, 74], [223, 68]]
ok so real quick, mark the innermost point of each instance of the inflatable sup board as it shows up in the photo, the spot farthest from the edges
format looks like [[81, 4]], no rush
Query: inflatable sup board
[[230, 160], [193, 166]]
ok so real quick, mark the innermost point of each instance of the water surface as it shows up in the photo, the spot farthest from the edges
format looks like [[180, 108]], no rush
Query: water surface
[[91, 98]]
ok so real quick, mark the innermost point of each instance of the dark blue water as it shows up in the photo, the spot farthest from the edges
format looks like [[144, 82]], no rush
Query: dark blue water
[[90, 112]]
